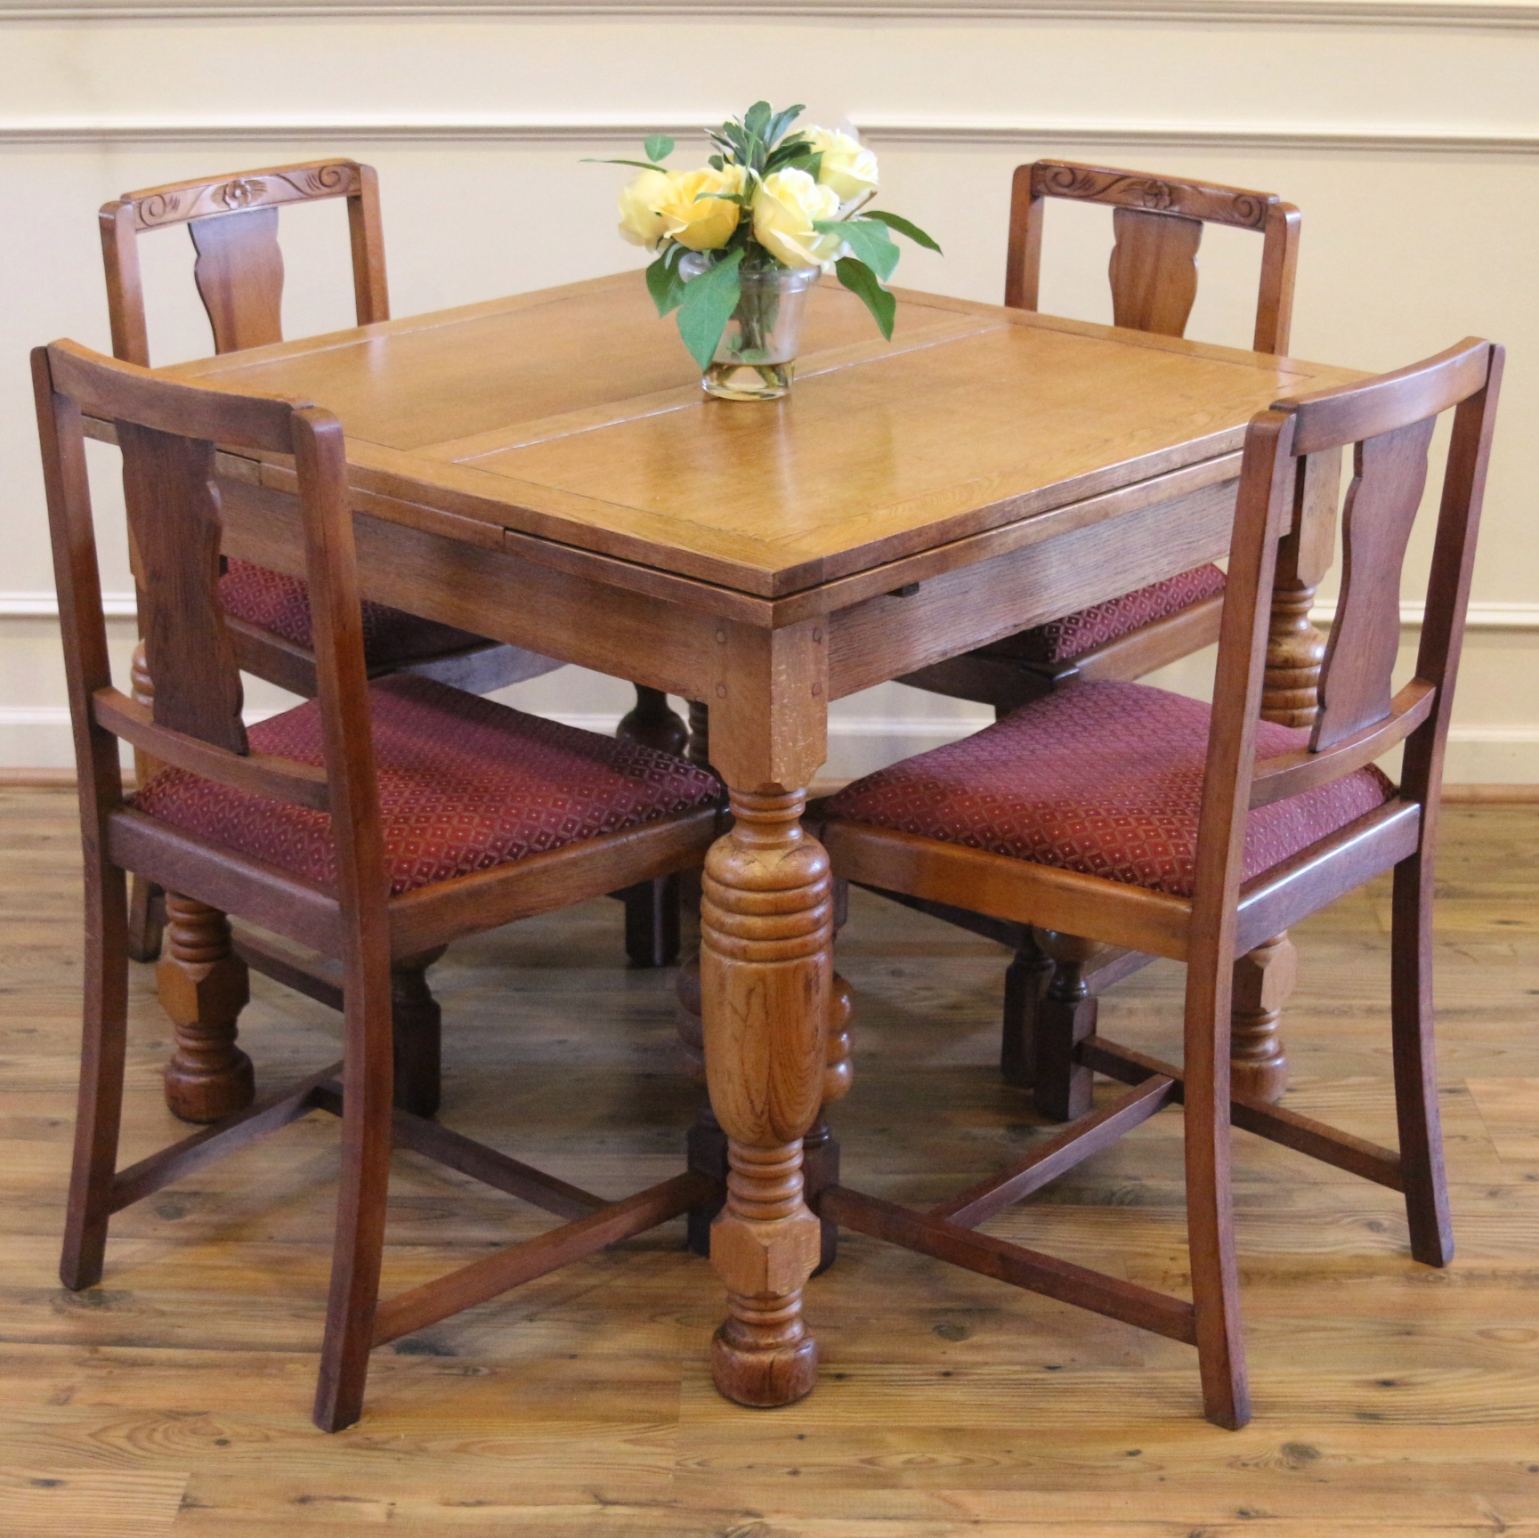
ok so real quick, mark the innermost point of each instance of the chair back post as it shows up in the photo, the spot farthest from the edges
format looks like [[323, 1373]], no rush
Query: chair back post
[[331, 562], [1263, 511], [233, 223], [1448, 588], [77, 581], [1158, 222]]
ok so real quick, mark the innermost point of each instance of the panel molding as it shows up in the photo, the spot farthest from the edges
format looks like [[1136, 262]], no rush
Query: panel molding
[[939, 133], [1517, 16]]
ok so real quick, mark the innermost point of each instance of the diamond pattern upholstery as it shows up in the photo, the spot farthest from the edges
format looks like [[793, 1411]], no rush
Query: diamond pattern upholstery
[[1061, 640], [1105, 779], [272, 601], [465, 784]]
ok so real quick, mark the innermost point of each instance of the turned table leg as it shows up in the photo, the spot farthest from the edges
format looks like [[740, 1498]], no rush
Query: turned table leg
[[766, 930], [1263, 981], [203, 986]]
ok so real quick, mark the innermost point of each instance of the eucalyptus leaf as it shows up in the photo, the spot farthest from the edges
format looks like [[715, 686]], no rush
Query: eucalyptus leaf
[[868, 240], [903, 227], [658, 147], [862, 282], [708, 303]]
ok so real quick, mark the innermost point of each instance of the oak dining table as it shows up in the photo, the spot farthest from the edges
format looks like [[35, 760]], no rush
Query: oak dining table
[[545, 470]]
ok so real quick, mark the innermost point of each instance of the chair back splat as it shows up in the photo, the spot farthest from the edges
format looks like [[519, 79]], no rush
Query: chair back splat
[[1129, 816]]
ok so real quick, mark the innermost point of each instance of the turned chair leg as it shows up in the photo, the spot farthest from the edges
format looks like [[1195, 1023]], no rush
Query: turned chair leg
[[99, 1107], [1263, 983], [203, 987], [1065, 1017], [416, 1022], [1416, 1107], [652, 907], [367, 1096], [1026, 982]]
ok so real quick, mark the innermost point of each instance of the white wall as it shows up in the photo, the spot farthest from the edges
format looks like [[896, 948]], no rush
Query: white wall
[[1407, 132]]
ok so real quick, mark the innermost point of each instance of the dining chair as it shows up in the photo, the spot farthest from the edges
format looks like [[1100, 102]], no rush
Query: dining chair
[[1158, 223], [239, 275], [380, 819], [1121, 812]]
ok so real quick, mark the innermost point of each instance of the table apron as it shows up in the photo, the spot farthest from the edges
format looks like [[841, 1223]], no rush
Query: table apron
[[884, 637], [650, 640]]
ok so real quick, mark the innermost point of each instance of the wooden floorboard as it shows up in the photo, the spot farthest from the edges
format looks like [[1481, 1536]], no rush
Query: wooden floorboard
[[174, 1399]]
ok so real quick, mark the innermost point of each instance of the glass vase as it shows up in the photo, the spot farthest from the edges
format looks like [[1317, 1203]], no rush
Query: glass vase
[[756, 357]]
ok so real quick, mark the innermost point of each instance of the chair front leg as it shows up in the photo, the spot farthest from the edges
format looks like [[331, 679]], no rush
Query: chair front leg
[[1065, 1018], [1026, 982], [203, 987], [99, 1107], [652, 907], [417, 1028]]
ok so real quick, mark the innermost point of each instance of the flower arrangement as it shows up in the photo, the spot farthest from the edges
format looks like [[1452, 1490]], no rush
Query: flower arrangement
[[768, 204]]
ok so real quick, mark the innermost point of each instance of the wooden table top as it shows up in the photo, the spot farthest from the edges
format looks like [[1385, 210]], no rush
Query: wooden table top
[[574, 415]]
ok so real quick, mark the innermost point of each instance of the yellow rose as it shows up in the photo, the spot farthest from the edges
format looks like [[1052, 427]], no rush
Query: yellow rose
[[848, 166], [701, 223], [640, 223], [784, 208]]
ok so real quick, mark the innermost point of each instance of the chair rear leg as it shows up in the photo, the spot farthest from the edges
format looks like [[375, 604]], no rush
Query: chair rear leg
[[1210, 1206], [146, 919], [652, 921], [367, 1091], [1416, 1107], [99, 1108]]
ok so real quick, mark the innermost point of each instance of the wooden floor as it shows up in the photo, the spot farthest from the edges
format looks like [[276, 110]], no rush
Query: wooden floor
[[1390, 1399]]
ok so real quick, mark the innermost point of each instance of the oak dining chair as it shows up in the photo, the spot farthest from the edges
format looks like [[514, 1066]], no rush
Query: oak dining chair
[[1158, 223], [1135, 817], [239, 276], [378, 820]]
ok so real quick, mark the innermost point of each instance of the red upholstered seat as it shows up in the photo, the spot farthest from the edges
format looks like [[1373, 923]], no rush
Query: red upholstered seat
[[465, 784], [1104, 778], [281, 604], [1061, 640]]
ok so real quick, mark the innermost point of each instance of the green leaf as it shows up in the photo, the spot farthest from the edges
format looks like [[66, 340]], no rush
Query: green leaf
[[862, 282], [756, 118], [658, 147], [868, 240], [665, 283], [782, 121], [709, 301], [594, 160], [903, 227]]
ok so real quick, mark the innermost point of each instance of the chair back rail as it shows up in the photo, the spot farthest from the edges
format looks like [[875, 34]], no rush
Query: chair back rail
[[233, 222], [1158, 227], [173, 510]]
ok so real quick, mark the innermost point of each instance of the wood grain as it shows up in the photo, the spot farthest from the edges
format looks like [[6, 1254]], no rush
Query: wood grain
[[1386, 1407]]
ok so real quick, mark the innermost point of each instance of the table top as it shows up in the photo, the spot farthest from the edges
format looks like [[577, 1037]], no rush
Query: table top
[[574, 414]]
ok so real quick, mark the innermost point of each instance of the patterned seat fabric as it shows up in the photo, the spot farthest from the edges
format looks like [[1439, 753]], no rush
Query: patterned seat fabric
[[272, 601], [465, 784], [1062, 640], [1104, 778]]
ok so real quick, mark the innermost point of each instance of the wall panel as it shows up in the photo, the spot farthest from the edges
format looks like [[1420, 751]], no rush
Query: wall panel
[[1409, 134]]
